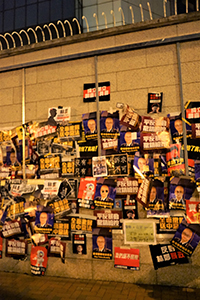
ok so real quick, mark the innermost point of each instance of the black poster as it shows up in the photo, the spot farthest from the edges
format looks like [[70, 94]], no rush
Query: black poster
[[89, 91], [165, 255], [154, 103], [79, 244]]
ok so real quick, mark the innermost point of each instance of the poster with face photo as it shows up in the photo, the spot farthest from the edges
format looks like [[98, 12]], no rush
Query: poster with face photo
[[109, 125], [104, 196], [44, 220], [90, 125], [79, 244], [102, 243], [154, 103], [180, 190], [186, 238], [58, 115], [145, 164], [129, 141], [176, 128], [157, 206], [130, 207]]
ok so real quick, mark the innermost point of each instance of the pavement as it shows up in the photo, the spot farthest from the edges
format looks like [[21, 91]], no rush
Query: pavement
[[15, 286]]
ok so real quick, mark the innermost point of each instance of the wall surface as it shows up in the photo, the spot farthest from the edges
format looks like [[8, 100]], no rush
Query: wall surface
[[132, 75]]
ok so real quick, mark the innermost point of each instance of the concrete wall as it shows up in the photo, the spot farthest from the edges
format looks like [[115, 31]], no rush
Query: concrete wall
[[132, 74]]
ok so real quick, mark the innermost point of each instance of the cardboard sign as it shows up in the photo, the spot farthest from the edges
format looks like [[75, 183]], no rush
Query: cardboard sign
[[140, 232]]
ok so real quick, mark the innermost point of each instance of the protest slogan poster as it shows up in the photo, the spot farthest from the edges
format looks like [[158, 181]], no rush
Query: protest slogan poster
[[127, 258]]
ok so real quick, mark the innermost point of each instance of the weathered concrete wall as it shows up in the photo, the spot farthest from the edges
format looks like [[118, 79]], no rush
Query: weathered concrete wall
[[132, 74]]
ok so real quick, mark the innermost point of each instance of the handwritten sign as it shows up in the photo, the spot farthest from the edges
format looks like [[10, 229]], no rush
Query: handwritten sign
[[141, 232]]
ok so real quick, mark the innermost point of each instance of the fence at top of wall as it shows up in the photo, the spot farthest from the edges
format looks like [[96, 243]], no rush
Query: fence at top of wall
[[65, 28]]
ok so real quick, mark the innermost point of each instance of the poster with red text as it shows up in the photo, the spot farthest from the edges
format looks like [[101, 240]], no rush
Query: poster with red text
[[38, 260]]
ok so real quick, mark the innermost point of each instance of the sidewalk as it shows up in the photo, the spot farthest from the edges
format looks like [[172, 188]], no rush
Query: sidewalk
[[14, 286]]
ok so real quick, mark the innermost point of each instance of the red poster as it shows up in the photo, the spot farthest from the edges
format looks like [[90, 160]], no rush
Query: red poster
[[38, 260], [127, 258], [193, 211], [1, 246]]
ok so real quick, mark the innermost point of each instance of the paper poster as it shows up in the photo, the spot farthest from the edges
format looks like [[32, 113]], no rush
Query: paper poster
[[102, 244], [130, 207], [44, 220], [104, 196], [127, 186], [16, 248], [59, 115], [99, 167], [139, 231], [56, 248], [181, 189], [129, 141], [90, 125], [108, 218], [79, 244], [1, 246], [196, 130], [86, 192], [143, 192], [154, 103], [130, 118], [89, 91], [11, 228], [83, 224], [127, 258], [83, 167], [71, 131], [185, 238], [109, 125], [61, 229], [169, 224], [38, 260], [149, 124], [166, 255], [193, 211], [117, 165]]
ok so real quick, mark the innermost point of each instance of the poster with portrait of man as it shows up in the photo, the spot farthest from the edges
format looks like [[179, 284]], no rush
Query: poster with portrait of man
[[86, 192], [186, 237], [89, 121], [109, 125], [129, 142], [180, 190], [193, 211], [129, 205], [44, 220], [104, 196], [157, 206], [102, 243], [145, 164], [176, 128]]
